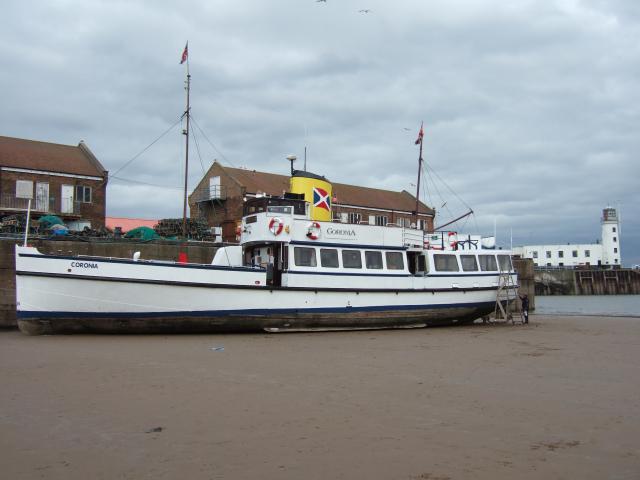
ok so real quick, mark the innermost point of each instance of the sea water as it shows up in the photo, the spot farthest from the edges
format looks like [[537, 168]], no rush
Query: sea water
[[615, 305]]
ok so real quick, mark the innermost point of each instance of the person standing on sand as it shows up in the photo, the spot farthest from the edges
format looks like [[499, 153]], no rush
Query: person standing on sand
[[524, 300]]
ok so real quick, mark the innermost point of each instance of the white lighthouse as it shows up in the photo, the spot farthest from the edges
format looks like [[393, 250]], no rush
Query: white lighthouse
[[610, 237], [605, 253]]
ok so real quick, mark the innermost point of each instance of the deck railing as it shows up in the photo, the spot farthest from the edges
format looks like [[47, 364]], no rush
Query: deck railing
[[11, 203]]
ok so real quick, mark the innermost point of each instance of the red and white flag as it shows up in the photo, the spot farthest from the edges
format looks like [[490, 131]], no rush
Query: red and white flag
[[420, 135], [185, 54]]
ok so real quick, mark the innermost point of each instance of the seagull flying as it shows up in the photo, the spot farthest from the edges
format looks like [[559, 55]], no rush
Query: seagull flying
[[364, 10]]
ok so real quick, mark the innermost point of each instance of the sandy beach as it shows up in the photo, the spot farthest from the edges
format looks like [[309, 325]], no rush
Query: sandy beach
[[556, 399]]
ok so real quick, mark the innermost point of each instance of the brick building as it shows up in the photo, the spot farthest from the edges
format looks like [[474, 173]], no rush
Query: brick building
[[218, 198], [63, 180]]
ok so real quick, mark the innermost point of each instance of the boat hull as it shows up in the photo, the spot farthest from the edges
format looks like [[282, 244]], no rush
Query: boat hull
[[67, 295], [46, 324]]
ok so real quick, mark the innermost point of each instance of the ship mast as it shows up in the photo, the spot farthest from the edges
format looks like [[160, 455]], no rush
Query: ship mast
[[186, 160], [419, 141]]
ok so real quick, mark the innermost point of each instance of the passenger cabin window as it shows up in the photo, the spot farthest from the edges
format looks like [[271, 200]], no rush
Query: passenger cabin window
[[505, 263], [351, 259], [469, 263], [283, 209], [304, 257], [373, 259], [488, 263], [445, 263], [329, 257], [394, 260]]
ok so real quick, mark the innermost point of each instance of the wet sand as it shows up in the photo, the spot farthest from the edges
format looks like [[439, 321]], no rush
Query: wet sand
[[559, 398]]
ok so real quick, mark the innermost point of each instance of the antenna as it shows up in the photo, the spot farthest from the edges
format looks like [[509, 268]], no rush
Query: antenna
[[292, 158]]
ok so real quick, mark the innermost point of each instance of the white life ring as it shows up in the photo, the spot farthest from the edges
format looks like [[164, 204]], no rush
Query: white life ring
[[276, 226], [313, 230]]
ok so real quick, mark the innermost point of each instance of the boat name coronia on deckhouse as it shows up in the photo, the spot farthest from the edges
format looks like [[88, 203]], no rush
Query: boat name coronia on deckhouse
[[341, 232]]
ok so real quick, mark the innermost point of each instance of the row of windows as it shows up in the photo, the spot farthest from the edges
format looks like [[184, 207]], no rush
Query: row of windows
[[330, 258], [379, 220], [574, 254], [373, 260], [469, 263], [24, 189]]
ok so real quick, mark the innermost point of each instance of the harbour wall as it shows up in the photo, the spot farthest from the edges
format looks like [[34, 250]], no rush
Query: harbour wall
[[162, 250], [587, 282]]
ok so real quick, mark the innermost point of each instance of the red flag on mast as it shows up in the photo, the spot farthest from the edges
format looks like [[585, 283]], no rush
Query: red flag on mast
[[420, 135], [185, 54]]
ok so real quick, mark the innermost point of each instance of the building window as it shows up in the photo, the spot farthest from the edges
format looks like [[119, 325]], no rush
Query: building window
[[587, 253], [615, 250], [548, 254], [614, 230], [329, 257], [574, 254], [394, 261], [560, 254], [351, 259], [355, 217], [373, 259], [615, 239], [83, 194], [381, 220], [535, 254], [24, 189], [304, 257]]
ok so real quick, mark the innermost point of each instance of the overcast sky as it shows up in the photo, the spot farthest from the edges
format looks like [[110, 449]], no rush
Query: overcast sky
[[531, 108]]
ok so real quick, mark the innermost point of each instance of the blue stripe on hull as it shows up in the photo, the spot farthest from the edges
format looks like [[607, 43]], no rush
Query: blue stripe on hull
[[257, 312]]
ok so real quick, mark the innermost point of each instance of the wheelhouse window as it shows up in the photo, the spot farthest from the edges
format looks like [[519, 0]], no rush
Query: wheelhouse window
[[282, 209], [445, 263], [373, 259], [505, 263], [329, 258], [395, 260], [351, 259], [83, 194], [304, 257], [488, 263], [469, 263]]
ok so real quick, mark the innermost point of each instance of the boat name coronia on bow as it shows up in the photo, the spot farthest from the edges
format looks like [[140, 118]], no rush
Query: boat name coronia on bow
[[84, 265]]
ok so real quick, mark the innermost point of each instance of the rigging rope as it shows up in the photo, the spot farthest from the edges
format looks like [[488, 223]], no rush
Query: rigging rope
[[211, 143]]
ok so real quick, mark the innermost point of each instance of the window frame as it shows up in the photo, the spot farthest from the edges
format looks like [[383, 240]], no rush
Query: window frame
[[313, 258], [347, 257]]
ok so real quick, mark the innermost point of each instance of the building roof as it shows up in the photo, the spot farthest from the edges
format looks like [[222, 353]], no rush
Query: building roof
[[49, 157], [127, 224], [273, 184]]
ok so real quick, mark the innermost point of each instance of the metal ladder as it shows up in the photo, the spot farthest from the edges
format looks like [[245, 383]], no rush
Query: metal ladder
[[507, 290]]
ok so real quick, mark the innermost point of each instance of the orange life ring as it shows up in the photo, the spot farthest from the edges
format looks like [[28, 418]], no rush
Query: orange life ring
[[313, 230], [276, 226]]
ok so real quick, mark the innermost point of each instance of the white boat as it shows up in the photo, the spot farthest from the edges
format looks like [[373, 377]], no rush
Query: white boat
[[292, 271]]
